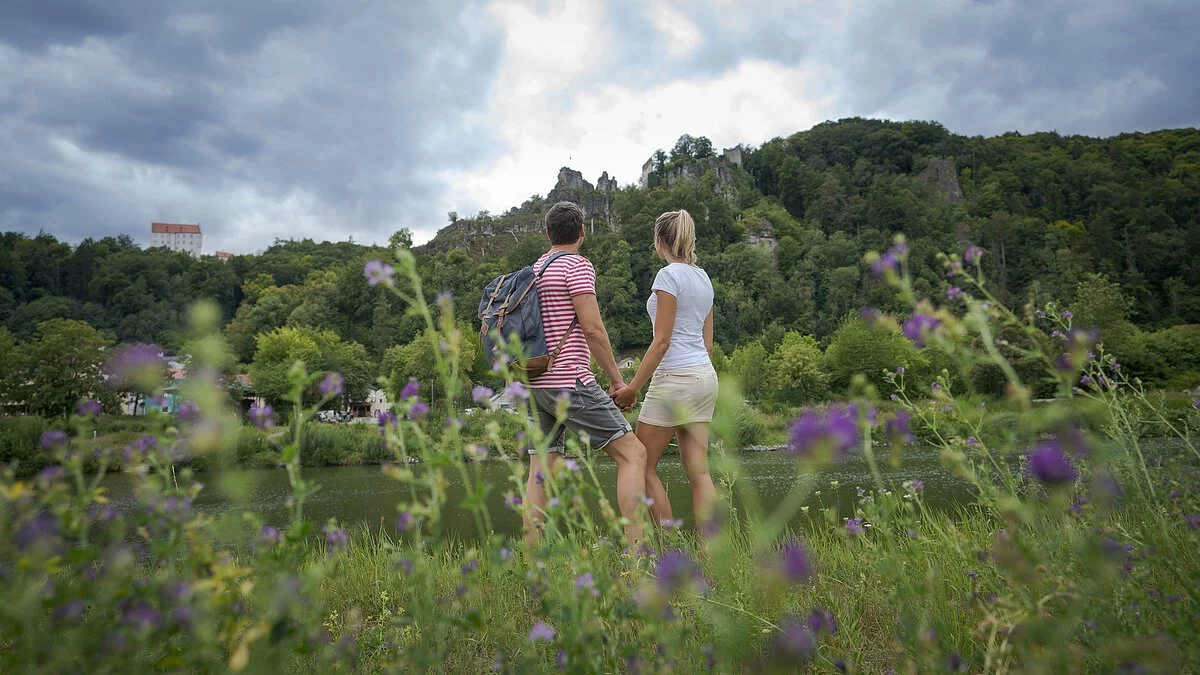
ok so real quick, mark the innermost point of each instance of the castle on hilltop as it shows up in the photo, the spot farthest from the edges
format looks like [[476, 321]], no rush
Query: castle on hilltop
[[732, 155]]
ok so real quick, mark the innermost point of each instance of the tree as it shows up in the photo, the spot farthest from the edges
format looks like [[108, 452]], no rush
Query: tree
[[749, 365], [793, 373], [63, 365], [402, 238], [859, 348], [319, 351], [11, 357], [417, 360]]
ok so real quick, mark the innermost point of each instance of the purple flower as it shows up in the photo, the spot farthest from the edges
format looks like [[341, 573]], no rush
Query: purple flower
[[53, 440], [822, 619], [182, 616], [586, 582], [50, 474], [972, 442], [796, 563], [793, 644], [69, 613], [541, 633], [834, 432], [954, 293], [896, 428], [955, 663], [41, 532], [418, 411], [517, 392], [676, 570], [188, 412], [482, 395], [378, 272], [136, 367], [386, 419], [560, 659], [1193, 521], [412, 389], [505, 554], [973, 254], [87, 408], [139, 614], [854, 526], [336, 538], [404, 522], [262, 416], [1067, 314], [870, 315], [512, 503], [403, 565], [884, 264], [916, 485], [1049, 465], [469, 567], [270, 535], [571, 464], [333, 385], [919, 326]]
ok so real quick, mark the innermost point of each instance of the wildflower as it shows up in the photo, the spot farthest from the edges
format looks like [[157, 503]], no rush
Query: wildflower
[[834, 432], [50, 475], [586, 582], [139, 613], [915, 486], [469, 567], [482, 396], [404, 522], [571, 464], [41, 533], [541, 633], [378, 272], [136, 367], [262, 416], [412, 389], [919, 326], [386, 419], [972, 442], [793, 644], [336, 538], [1193, 521], [68, 613], [1067, 314], [822, 619], [796, 563], [973, 254], [1057, 334], [955, 663], [333, 385], [676, 570], [947, 408], [505, 554], [1049, 465], [896, 428], [512, 503], [854, 526], [418, 411], [403, 565], [188, 412], [560, 659], [554, 502], [954, 293], [871, 315], [884, 264], [517, 392], [668, 524], [53, 440], [476, 451], [953, 269], [87, 408], [498, 664]]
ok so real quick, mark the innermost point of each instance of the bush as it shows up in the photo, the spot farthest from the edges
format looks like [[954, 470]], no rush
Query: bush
[[19, 438], [508, 425], [332, 445], [859, 348], [1173, 357], [794, 372], [749, 426]]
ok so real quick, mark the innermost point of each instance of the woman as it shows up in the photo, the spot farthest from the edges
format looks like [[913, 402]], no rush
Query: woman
[[678, 367]]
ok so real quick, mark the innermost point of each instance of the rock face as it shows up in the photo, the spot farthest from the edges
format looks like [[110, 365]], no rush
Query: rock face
[[723, 177], [489, 235], [761, 232], [943, 176]]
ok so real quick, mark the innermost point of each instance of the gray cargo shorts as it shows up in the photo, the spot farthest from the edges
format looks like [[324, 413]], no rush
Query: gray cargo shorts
[[590, 413]]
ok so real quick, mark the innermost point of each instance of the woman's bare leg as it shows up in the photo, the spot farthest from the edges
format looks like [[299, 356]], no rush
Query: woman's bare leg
[[693, 448], [656, 439]]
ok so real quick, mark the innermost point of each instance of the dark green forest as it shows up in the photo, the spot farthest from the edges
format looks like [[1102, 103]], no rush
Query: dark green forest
[[1109, 227]]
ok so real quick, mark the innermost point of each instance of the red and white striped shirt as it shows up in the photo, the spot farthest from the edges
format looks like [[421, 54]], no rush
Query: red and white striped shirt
[[570, 275]]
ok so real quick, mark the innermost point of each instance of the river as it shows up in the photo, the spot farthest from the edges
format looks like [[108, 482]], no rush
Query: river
[[363, 496]]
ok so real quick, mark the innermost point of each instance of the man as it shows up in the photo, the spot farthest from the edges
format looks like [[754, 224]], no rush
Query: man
[[567, 294]]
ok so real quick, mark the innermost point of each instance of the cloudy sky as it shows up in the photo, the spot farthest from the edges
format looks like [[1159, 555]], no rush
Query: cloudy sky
[[333, 119]]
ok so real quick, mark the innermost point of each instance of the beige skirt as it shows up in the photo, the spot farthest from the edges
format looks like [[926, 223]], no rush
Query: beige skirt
[[680, 396]]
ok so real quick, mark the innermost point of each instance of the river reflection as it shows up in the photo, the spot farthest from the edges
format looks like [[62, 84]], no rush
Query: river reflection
[[363, 496]]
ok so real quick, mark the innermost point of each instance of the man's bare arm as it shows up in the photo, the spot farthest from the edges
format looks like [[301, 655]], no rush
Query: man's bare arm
[[588, 311]]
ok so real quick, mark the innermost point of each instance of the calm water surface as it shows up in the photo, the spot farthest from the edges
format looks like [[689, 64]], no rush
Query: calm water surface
[[363, 496]]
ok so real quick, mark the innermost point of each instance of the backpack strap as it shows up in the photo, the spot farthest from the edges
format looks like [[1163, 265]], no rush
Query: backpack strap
[[549, 261], [562, 342]]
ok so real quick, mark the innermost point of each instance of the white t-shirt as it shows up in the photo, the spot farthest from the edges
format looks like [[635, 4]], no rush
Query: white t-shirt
[[693, 299]]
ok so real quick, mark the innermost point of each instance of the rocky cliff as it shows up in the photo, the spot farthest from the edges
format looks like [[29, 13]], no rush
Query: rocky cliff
[[943, 176]]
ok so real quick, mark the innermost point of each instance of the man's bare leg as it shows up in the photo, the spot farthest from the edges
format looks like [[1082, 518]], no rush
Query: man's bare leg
[[630, 456], [535, 494]]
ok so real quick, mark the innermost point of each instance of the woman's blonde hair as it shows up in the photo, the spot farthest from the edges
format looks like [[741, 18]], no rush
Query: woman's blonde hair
[[677, 231]]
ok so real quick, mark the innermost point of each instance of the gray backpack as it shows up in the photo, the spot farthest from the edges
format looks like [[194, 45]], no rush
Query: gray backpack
[[510, 308]]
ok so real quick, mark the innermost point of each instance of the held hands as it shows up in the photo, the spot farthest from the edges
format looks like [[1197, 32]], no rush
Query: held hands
[[625, 397]]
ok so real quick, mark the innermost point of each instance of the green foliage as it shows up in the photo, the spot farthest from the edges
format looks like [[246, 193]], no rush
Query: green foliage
[[320, 350], [19, 437], [62, 366], [859, 348], [417, 360], [749, 365], [793, 372]]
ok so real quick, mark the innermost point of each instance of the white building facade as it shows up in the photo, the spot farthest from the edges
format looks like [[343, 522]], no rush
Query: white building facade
[[177, 237]]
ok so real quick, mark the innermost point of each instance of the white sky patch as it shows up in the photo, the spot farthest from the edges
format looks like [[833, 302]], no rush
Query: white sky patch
[[615, 128], [680, 37]]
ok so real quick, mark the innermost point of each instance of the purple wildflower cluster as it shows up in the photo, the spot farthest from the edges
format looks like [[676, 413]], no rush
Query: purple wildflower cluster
[[796, 563], [887, 263], [676, 570], [262, 416], [88, 408], [378, 272], [920, 326], [136, 367], [332, 385], [815, 434]]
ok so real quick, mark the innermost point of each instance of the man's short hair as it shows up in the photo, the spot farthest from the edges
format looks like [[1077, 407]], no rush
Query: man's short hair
[[564, 223]]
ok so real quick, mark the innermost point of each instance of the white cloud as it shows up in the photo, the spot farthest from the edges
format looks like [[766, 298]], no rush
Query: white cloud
[[680, 37]]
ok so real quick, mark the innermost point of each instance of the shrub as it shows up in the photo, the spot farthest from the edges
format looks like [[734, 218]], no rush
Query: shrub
[[793, 372], [19, 438], [859, 348], [749, 426]]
